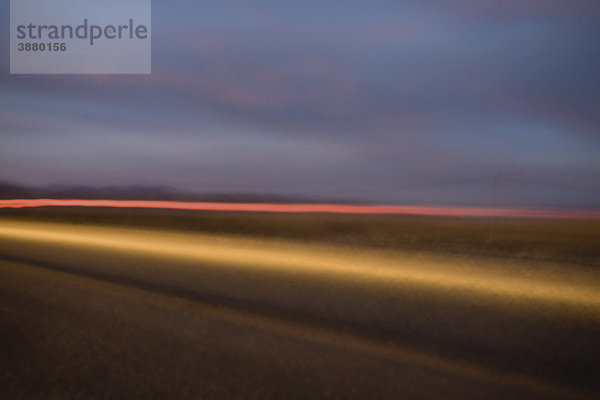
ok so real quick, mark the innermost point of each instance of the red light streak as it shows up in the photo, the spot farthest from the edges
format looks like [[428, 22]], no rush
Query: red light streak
[[311, 208]]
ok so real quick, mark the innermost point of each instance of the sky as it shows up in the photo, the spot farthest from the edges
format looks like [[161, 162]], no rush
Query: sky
[[401, 102]]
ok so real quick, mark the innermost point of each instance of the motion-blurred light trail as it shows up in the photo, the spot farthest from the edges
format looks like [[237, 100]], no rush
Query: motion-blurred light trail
[[311, 208], [322, 262]]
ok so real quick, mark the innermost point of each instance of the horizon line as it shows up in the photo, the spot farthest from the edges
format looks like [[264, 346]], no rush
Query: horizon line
[[308, 208]]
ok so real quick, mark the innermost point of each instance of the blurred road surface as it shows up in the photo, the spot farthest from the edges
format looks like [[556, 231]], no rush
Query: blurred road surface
[[101, 313]]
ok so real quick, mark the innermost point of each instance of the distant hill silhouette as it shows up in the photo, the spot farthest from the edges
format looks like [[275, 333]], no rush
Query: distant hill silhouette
[[144, 192]]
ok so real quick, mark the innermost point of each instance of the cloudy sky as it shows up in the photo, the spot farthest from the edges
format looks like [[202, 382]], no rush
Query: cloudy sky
[[430, 102]]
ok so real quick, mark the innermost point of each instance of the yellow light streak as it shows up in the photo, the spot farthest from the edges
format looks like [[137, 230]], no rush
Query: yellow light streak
[[369, 267]]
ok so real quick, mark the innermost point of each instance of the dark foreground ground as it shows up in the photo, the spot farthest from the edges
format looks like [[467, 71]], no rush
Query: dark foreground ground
[[85, 319], [70, 337]]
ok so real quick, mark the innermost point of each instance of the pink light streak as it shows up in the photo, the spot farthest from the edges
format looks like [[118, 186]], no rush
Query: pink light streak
[[312, 208]]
